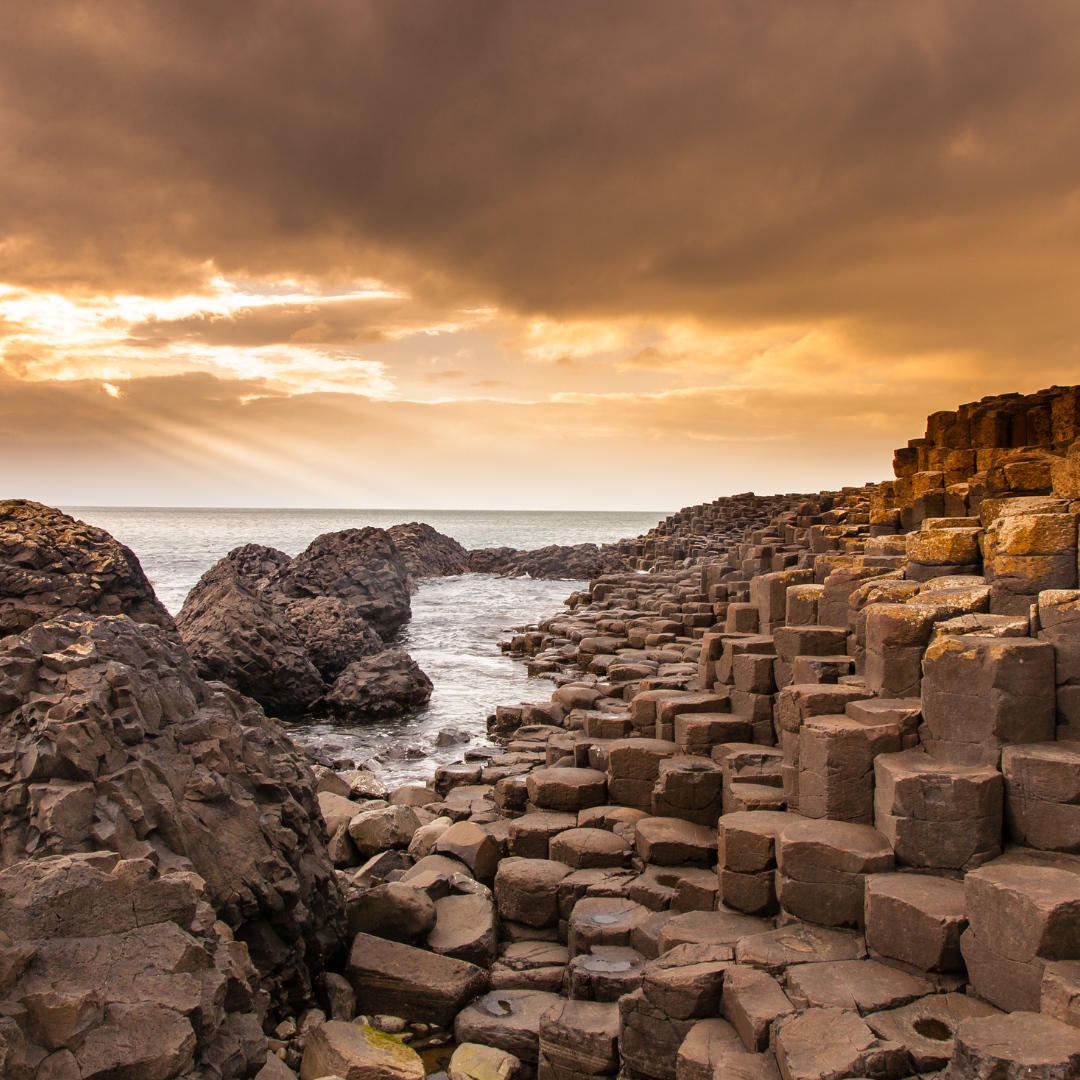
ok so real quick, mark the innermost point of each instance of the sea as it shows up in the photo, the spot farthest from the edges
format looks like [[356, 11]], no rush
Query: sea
[[456, 626]]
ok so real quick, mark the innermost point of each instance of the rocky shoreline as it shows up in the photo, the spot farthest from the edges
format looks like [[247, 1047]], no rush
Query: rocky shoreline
[[803, 803]]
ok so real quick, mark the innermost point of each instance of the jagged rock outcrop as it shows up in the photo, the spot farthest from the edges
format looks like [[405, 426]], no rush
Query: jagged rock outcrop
[[385, 684], [576, 562], [283, 630], [110, 742], [333, 635], [427, 552], [114, 969], [235, 635], [51, 564], [361, 567]]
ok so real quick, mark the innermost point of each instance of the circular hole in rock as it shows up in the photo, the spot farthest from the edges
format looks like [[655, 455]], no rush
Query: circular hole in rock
[[929, 1027], [499, 1007]]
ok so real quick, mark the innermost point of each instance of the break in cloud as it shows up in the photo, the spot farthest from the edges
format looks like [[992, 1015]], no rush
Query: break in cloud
[[540, 253]]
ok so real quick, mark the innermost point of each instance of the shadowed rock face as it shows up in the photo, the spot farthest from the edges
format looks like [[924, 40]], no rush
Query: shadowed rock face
[[51, 564], [234, 634], [284, 630], [114, 744], [361, 567], [427, 552], [386, 684]]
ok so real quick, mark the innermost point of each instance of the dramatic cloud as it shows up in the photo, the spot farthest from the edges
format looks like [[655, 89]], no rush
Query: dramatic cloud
[[626, 228]]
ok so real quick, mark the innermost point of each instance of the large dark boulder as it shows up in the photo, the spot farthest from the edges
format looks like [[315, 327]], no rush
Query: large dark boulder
[[282, 630], [361, 567], [51, 564], [238, 636], [112, 743], [386, 684], [427, 552]]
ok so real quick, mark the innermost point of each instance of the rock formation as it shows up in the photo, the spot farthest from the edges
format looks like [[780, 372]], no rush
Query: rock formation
[[801, 804], [428, 553], [165, 887], [304, 633], [51, 564], [578, 562]]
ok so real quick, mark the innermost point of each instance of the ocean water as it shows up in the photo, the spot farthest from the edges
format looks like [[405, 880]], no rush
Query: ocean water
[[456, 625]]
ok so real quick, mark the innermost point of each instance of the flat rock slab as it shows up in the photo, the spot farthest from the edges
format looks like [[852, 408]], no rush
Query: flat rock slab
[[927, 1027], [916, 918], [776, 950], [686, 982], [709, 928], [589, 849], [526, 890], [529, 835], [667, 841], [530, 965], [605, 974], [863, 985], [581, 1037], [506, 1019], [1016, 1047], [567, 790], [833, 1043], [603, 921], [400, 980], [357, 1053]]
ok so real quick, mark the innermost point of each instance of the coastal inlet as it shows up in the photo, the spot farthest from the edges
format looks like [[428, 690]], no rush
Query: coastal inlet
[[456, 622]]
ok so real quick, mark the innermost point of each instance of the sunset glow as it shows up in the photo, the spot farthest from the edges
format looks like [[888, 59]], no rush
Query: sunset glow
[[469, 246]]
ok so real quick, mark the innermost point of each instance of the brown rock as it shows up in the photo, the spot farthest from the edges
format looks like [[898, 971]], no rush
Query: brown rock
[[1013, 1047], [752, 1001], [403, 981], [686, 981], [1042, 795], [671, 842], [526, 890], [566, 790], [589, 848], [605, 973], [776, 950], [506, 1019], [938, 814], [580, 1038], [601, 921], [353, 1052], [822, 866], [835, 1042], [863, 985], [926, 1028], [916, 919]]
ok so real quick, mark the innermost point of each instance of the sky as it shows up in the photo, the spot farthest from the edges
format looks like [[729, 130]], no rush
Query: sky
[[551, 254]]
